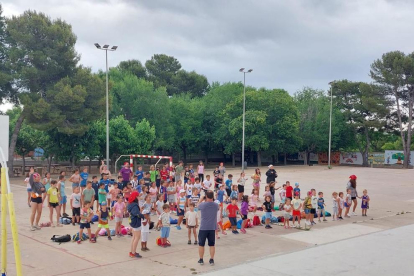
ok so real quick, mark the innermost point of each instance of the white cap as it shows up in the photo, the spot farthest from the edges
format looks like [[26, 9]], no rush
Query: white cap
[[270, 166], [216, 201], [182, 191]]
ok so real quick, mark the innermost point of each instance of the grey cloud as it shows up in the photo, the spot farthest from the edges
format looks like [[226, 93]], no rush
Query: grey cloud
[[289, 44]]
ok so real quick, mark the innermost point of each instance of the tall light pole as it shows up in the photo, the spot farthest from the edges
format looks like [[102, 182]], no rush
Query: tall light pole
[[106, 49], [330, 128], [244, 109]]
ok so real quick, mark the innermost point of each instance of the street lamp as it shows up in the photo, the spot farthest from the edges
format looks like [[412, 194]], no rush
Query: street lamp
[[244, 108], [330, 128], [106, 49]]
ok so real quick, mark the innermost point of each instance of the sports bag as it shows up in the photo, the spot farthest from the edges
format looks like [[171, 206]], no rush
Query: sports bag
[[60, 239], [256, 220]]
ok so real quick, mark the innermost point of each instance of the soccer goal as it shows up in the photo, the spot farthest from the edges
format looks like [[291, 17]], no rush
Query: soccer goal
[[132, 156]]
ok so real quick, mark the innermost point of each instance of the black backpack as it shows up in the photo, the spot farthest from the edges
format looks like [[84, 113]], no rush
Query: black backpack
[[60, 239]]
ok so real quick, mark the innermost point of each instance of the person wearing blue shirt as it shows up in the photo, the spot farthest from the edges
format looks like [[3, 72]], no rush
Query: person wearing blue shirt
[[84, 176], [139, 173], [229, 183], [296, 189], [220, 194]]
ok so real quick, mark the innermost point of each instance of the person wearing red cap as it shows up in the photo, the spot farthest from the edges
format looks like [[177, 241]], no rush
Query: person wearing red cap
[[36, 199], [354, 194], [135, 217]]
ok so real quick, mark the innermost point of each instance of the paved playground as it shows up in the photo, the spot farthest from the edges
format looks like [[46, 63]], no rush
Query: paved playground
[[392, 206]]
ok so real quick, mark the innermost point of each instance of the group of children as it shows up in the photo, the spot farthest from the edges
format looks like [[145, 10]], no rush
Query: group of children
[[171, 195]]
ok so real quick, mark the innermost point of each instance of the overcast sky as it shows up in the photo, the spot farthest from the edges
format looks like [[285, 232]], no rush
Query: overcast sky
[[289, 44]]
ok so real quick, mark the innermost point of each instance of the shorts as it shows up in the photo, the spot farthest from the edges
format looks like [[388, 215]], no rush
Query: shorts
[[256, 184], [307, 211], [64, 200], [282, 201], [85, 225], [180, 212], [191, 226], [144, 236], [321, 210], [105, 226], [171, 200], [118, 219], [244, 217], [353, 197], [76, 212], [334, 211], [313, 211], [37, 200], [96, 196], [296, 213], [153, 199], [268, 215], [233, 221], [75, 185], [29, 190], [290, 198], [209, 235], [346, 205], [286, 215], [108, 196], [83, 184], [272, 198], [136, 229], [240, 188], [54, 205], [188, 196], [165, 232]]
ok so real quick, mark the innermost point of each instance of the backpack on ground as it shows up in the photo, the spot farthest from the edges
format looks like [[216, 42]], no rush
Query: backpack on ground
[[256, 220], [65, 220], [76, 237], [60, 239], [274, 220]]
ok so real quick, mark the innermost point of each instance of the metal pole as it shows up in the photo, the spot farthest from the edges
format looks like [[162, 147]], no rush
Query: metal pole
[[244, 115], [330, 133], [107, 113]]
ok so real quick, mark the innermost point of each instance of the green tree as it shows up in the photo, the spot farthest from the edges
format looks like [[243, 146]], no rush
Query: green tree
[[186, 123], [41, 53], [6, 79], [134, 67], [365, 107], [395, 71], [314, 108], [69, 106], [145, 134], [190, 83], [136, 99], [161, 70]]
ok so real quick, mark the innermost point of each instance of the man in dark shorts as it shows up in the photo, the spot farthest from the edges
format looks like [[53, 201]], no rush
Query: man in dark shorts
[[208, 226]]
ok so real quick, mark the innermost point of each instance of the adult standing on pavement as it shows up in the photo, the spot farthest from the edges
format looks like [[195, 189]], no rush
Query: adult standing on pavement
[[200, 171], [354, 194], [126, 174], [271, 174], [179, 170], [208, 226]]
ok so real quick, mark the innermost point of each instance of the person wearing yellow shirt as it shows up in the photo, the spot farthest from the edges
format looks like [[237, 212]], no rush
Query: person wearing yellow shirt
[[53, 198]]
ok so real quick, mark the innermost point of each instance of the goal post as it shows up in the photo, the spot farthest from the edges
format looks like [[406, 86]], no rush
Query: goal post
[[132, 156]]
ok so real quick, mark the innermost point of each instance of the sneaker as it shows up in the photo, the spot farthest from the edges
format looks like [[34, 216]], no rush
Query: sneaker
[[235, 232], [341, 218], [178, 227], [78, 242], [211, 262], [189, 241], [312, 222], [347, 216], [243, 231], [268, 226], [136, 255], [324, 220], [354, 214], [73, 223], [65, 215], [32, 228], [131, 255], [201, 262], [109, 238], [91, 222], [147, 249], [196, 243], [37, 227]]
